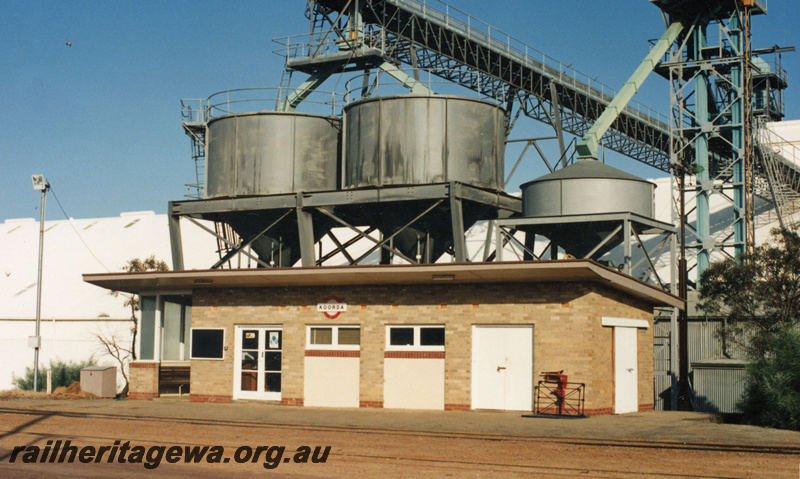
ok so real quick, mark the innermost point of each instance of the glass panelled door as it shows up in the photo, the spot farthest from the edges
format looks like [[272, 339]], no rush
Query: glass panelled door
[[257, 371]]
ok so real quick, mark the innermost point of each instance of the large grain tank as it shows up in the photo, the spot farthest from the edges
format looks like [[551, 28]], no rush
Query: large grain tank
[[270, 153], [421, 140], [413, 140], [585, 189]]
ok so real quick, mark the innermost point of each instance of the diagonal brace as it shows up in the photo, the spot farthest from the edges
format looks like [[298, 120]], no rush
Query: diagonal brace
[[363, 235], [408, 81], [647, 257], [587, 147], [603, 243], [236, 249]]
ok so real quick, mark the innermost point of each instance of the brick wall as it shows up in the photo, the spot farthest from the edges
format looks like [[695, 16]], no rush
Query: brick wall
[[143, 380], [568, 333]]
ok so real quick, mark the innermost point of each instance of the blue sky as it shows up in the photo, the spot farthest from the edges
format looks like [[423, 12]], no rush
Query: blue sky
[[101, 119]]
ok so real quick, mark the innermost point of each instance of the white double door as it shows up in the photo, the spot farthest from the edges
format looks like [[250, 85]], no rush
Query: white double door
[[257, 364], [502, 367]]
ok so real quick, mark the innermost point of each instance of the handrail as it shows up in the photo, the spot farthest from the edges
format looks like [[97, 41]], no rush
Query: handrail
[[771, 140], [247, 100]]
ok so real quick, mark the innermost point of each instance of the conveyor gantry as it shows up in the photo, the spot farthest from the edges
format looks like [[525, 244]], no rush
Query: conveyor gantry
[[481, 58]]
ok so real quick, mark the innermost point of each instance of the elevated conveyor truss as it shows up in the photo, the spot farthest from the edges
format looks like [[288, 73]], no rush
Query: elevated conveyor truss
[[438, 38]]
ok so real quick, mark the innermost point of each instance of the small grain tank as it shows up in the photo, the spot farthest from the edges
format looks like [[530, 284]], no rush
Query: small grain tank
[[585, 188]]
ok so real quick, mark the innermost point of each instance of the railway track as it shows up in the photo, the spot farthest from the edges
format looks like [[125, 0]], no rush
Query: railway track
[[781, 449]]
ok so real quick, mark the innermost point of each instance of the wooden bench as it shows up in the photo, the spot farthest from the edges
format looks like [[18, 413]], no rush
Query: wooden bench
[[174, 376]]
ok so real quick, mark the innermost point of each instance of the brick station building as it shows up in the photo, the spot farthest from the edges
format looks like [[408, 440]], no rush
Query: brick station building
[[436, 336]]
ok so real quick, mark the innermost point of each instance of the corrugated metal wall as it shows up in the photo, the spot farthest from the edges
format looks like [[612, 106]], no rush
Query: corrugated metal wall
[[705, 342], [716, 387]]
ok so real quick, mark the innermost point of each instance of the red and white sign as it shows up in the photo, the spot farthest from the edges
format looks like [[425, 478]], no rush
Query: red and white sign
[[332, 307]]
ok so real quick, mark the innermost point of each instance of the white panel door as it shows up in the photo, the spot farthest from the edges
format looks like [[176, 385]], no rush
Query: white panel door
[[502, 367], [626, 374]]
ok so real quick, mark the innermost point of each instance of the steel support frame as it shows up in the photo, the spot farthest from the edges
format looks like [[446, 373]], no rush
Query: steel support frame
[[237, 249], [631, 224], [309, 206], [386, 242], [709, 98], [175, 238]]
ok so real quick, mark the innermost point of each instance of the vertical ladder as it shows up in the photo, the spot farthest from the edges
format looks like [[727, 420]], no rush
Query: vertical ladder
[[225, 231], [284, 90], [195, 190], [193, 119]]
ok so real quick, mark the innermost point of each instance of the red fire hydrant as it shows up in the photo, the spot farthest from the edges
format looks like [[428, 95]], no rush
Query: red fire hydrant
[[560, 390]]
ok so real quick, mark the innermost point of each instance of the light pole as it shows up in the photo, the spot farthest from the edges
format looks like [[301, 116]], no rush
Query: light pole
[[39, 183]]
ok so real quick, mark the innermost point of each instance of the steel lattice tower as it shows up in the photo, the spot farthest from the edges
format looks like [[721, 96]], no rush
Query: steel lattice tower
[[711, 72]]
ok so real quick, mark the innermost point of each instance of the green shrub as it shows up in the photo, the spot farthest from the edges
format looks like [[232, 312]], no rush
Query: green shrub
[[63, 374], [772, 395]]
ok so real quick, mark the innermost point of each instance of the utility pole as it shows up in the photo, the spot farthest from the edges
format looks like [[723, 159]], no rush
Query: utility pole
[[39, 183], [684, 402]]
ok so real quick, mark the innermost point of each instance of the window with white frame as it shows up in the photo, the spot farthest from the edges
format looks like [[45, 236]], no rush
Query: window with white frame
[[333, 337], [414, 338]]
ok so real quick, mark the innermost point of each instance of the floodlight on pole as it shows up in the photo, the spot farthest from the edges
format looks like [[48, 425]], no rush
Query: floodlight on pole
[[39, 183]]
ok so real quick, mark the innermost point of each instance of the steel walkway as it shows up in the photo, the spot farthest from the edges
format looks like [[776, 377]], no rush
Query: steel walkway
[[779, 166]]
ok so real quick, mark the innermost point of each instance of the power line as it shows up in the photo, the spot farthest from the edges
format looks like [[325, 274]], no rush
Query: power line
[[69, 220]]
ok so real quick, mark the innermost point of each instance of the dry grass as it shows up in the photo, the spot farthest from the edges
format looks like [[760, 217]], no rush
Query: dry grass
[[20, 394], [72, 392]]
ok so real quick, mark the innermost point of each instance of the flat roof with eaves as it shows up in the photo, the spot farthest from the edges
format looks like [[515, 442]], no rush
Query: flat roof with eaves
[[559, 271]]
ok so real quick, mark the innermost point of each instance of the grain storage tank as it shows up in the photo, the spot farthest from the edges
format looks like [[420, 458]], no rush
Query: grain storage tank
[[268, 153], [585, 188], [414, 140], [417, 140]]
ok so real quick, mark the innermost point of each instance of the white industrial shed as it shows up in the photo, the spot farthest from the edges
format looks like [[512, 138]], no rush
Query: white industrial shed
[[72, 311]]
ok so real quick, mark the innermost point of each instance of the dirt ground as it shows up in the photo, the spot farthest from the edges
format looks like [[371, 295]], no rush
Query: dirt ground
[[360, 450]]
